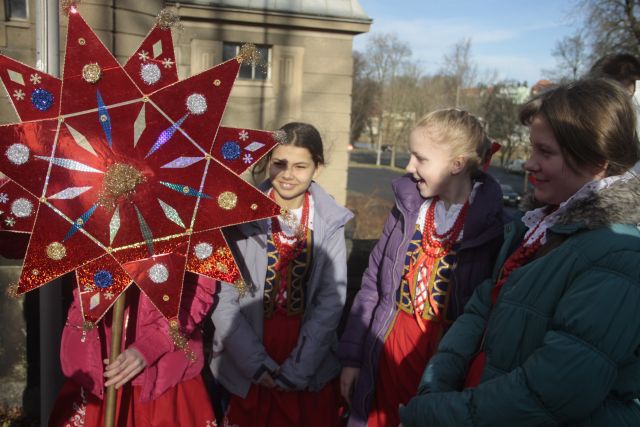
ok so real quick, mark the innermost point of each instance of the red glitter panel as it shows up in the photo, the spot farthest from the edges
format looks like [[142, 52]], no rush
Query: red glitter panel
[[50, 255], [19, 146], [214, 86], [239, 149], [83, 48], [100, 282], [210, 256], [126, 186], [151, 198], [18, 208], [156, 49], [20, 80], [232, 201], [160, 278]]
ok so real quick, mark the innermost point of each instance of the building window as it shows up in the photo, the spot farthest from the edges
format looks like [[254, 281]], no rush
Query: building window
[[16, 9], [249, 71]]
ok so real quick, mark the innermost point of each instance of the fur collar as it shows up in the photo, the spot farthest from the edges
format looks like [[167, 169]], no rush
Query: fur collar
[[616, 204]]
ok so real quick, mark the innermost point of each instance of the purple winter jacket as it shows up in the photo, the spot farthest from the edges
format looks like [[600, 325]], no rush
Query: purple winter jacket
[[375, 305]]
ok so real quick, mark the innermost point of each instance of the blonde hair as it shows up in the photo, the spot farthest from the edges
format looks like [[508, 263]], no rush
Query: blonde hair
[[462, 131]]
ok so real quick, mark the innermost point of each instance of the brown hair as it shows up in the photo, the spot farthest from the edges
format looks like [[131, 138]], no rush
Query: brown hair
[[461, 130], [593, 122], [303, 135], [622, 67], [298, 134]]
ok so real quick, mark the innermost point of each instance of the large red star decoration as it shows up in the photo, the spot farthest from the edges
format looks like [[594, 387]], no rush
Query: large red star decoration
[[123, 173]]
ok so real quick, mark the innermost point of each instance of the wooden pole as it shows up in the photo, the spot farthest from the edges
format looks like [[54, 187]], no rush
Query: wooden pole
[[116, 345]]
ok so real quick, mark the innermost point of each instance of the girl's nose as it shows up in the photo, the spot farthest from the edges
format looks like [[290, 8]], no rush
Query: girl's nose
[[288, 173], [410, 167], [531, 165]]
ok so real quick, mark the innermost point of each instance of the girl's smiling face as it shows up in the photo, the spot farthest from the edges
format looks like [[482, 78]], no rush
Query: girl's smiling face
[[291, 170], [430, 163], [555, 180]]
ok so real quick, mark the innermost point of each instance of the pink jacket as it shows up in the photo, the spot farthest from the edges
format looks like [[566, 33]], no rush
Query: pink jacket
[[166, 365]]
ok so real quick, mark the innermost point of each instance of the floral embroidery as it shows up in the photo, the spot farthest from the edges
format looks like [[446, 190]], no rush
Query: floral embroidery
[[79, 411]]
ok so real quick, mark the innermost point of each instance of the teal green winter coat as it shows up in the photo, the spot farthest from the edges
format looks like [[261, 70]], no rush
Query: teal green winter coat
[[562, 342]]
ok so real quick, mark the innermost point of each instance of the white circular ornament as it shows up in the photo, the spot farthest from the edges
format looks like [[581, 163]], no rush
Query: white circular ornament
[[22, 208], [150, 73], [18, 154], [196, 103], [203, 250], [158, 273]]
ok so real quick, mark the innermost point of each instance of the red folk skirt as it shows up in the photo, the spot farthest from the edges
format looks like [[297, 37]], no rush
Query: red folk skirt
[[186, 404], [265, 407], [404, 356]]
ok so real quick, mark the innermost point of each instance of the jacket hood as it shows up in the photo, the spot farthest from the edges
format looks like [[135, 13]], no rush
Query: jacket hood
[[617, 204]]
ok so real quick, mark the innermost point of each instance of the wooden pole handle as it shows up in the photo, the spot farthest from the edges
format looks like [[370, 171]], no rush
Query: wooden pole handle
[[116, 345]]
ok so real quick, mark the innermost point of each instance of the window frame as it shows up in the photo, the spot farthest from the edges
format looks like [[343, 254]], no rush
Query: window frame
[[237, 46], [7, 12]]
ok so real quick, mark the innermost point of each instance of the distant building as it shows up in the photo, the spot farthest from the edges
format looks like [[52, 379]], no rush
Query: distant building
[[541, 86], [519, 94]]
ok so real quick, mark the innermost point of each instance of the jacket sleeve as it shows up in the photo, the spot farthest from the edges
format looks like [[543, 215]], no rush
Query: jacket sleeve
[[238, 338], [447, 369], [319, 329], [197, 299], [595, 329], [351, 343], [153, 339]]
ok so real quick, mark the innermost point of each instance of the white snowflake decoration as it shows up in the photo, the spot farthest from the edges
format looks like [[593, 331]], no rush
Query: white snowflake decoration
[[18, 94], [35, 79], [243, 135], [247, 159], [167, 62], [143, 56], [4, 198], [9, 221]]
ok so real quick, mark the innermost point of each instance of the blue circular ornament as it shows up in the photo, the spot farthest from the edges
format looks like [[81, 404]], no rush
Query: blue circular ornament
[[41, 99], [102, 279], [230, 150]]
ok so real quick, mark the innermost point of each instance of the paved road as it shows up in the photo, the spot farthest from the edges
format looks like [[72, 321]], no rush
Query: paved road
[[366, 179]]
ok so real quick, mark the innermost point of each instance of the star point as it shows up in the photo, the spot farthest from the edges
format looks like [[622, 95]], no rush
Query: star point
[[115, 181]]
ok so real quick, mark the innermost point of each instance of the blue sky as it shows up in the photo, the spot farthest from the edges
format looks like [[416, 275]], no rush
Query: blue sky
[[513, 37]]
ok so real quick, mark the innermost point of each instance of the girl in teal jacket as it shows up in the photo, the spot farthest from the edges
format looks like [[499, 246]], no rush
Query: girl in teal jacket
[[554, 338]]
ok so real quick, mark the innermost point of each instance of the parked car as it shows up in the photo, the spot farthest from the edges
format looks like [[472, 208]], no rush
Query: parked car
[[515, 166], [509, 196]]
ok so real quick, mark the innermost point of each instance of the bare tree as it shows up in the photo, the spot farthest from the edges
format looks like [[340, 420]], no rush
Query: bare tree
[[613, 26], [458, 64], [571, 58], [387, 57], [500, 111], [364, 91]]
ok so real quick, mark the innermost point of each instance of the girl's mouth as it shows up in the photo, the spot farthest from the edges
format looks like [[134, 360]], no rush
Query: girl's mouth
[[286, 186]]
